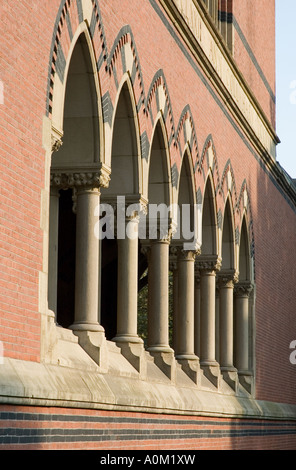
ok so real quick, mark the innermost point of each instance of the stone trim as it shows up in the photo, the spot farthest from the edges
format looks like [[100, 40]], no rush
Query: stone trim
[[32, 384]]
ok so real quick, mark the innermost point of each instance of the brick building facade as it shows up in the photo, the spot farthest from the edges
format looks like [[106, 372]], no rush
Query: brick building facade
[[118, 106]]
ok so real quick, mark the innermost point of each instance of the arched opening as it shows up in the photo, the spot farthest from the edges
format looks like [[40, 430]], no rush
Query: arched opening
[[227, 239], [186, 201], [125, 182], [125, 178], [81, 130], [244, 254], [225, 284], [243, 358], [159, 173], [183, 265], [208, 263], [209, 221], [79, 154]]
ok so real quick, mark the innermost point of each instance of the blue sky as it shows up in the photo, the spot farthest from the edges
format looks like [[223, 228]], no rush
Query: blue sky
[[286, 83]]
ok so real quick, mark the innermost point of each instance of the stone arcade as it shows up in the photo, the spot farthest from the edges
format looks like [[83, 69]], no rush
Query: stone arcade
[[124, 327]]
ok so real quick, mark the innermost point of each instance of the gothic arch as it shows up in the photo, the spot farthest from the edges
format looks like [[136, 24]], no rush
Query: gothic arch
[[72, 20], [228, 184], [186, 135], [245, 268], [79, 111], [210, 238], [159, 167], [158, 101], [208, 162], [78, 115], [126, 172], [228, 252], [186, 197]]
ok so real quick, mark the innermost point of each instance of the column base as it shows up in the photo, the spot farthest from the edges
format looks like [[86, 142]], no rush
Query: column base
[[246, 380], [95, 345], [132, 348], [190, 365], [212, 372], [165, 360], [230, 376], [86, 326]]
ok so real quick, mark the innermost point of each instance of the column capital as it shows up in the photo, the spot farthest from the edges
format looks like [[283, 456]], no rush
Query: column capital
[[178, 251], [87, 178], [243, 288], [208, 263], [227, 278], [132, 206]]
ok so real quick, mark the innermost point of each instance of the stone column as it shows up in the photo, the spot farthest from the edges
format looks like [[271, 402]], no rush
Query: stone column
[[208, 267], [197, 312], [158, 306], [87, 262], [132, 346], [242, 295], [226, 285], [158, 278], [53, 249], [217, 325], [174, 268], [86, 322], [185, 327]]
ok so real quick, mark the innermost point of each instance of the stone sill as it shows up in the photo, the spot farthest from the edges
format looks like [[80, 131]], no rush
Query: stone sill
[[120, 389]]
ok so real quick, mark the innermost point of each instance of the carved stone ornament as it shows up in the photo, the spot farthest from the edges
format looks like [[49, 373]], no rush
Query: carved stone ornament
[[56, 140], [227, 279], [243, 289], [128, 208], [56, 144], [210, 263], [89, 179], [188, 255]]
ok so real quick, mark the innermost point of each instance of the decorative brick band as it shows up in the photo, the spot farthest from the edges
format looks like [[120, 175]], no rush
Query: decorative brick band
[[42, 428]]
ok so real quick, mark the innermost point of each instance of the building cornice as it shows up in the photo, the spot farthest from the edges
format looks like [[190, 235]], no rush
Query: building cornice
[[213, 56], [262, 136]]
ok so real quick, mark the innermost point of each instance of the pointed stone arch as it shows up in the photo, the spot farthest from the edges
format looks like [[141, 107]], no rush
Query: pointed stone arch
[[78, 113], [228, 252], [244, 208], [244, 262], [72, 18], [159, 168], [126, 171], [158, 100], [186, 135], [227, 182], [210, 237], [76, 166], [186, 199]]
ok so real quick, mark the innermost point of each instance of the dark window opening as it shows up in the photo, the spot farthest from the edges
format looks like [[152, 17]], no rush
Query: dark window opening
[[66, 260]]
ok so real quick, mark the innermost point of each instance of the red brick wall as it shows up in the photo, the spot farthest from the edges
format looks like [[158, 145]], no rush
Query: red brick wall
[[25, 45], [62, 429], [24, 63], [254, 49]]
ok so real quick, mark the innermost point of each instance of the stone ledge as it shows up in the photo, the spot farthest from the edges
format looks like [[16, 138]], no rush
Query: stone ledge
[[26, 383]]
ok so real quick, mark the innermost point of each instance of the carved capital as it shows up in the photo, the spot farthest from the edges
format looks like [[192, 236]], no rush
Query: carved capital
[[129, 208], [208, 263], [243, 289], [177, 252], [79, 179], [227, 279], [187, 255]]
